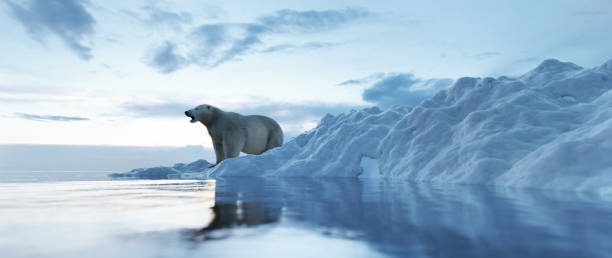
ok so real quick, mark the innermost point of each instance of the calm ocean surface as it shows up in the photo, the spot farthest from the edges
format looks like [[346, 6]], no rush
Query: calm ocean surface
[[83, 214]]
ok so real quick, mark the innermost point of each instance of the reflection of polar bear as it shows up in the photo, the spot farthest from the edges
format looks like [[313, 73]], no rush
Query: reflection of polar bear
[[232, 132]]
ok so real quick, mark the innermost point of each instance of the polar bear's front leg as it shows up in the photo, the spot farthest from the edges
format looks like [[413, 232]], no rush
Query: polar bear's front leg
[[218, 146], [233, 142]]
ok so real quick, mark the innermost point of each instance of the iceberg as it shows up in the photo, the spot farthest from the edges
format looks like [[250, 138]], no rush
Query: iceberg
[[162, 172], [550, 128]]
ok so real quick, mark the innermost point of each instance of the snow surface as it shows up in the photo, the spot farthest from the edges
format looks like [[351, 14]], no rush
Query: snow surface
[[549, 128]]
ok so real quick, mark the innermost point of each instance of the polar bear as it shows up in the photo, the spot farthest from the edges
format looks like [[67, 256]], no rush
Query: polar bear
[[232, 133]]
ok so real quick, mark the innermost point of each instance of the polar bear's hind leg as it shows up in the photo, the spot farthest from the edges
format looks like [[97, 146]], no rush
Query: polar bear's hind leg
[[275, 139]]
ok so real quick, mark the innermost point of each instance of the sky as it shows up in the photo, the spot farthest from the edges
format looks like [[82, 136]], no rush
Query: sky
[[122, 72]]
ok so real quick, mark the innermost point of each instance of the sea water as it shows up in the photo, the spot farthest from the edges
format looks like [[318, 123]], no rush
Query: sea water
[[90, 216]]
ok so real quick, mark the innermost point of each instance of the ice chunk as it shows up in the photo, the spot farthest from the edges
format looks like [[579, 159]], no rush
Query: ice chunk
[[173, 172]]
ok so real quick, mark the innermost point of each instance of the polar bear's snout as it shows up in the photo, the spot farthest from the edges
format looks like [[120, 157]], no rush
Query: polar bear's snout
[[189, 113]]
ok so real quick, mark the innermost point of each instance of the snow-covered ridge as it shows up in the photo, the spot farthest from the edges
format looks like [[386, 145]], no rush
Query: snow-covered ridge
[[549, 128]]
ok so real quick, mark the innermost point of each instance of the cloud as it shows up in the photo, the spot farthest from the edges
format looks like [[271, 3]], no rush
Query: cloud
[[157, 17], [403, 89], [310, 21], [350, 82], [293, 47], [50, 117], [66, 19], [211, 45], [367, 79], [172, 19], [166, 60]]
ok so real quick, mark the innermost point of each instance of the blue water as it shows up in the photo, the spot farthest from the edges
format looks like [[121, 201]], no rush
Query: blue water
[[254, 217]]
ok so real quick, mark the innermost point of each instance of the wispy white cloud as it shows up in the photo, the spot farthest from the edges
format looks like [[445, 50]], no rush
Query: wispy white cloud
[[167, 18], [56, 118], [368, 79], [69, 20], [156, 17], [294, 47], [211, 45]]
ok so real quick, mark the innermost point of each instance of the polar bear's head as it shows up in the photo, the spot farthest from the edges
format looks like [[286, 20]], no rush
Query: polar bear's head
[[202, 113]]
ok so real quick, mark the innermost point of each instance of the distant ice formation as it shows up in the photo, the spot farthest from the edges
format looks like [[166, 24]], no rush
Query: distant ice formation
[[549, 128], [165, 172]]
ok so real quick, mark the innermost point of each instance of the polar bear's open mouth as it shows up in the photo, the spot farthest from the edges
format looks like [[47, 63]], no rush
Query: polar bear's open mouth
[[188, 113]]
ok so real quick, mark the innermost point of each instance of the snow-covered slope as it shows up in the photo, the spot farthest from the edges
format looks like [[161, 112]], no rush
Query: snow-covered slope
[[550, 128]]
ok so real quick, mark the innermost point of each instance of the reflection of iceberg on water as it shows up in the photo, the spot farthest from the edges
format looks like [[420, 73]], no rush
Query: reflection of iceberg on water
[[405, 219]]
